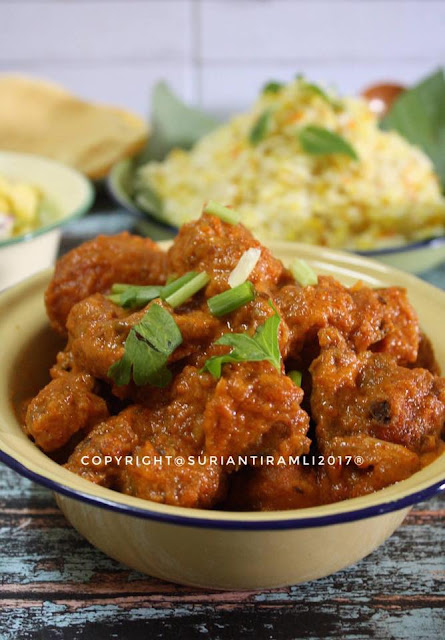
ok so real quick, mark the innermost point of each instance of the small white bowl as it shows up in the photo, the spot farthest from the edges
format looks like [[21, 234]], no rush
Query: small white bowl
[[69, 192], [213, 549]]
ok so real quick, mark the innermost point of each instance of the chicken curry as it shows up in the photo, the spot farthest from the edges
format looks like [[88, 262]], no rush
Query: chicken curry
[[216, 355]]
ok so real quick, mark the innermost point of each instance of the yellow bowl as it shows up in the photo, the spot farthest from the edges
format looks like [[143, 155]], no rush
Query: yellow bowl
[[213, 549]]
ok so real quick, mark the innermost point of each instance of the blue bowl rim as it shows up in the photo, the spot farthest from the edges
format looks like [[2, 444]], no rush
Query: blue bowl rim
[[129, 205], [192, 521], [428, 243]]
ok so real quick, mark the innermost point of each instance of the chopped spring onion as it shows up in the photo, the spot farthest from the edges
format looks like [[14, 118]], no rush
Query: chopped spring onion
[[120, 288], [222, 212], [303, 273], [133, 296], [232, 299], [176, 284], [296, 377], [245, 266], [188, 290]]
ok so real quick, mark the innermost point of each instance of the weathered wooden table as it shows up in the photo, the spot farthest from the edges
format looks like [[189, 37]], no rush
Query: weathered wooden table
[[54, 584]]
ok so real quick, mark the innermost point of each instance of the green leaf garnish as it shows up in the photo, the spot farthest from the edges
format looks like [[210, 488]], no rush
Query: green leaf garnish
[[272, 87], [220, 211], [160, 330], [418, 114], [260, 128], [296, 377], [147, 349], [262, 346], [175, 284], [303, 273], [232, 299], [318, 91], [133, 296], [188, 290], [320, 141], [266, 337], [174, 124]]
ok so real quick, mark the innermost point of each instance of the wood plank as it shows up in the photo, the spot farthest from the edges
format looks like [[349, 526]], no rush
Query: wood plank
[[56, 585]]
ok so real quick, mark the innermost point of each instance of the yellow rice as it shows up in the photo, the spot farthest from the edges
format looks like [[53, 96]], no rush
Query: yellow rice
[[390, 196]]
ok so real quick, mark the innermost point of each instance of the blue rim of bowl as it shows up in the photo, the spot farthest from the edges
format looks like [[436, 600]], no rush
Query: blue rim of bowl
[[429, 243], [77, 213], [192, 521], [127, 202]]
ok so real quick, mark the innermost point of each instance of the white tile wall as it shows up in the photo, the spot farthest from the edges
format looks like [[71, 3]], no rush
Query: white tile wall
[[95, 31], [321, 29], [125, 84], [218, 52]]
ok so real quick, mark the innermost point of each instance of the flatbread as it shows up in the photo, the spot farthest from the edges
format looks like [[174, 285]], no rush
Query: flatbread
[[40, 117]]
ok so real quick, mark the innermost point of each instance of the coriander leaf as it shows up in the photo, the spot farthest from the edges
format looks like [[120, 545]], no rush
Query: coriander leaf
[[147, 349], [150, 366], [272, 87], [318, 91], [320, 141], [120, 371], [244, 347], [214, 364], [262, 346], [260, 127], [138, 352], [159, 329], [266, 337], [418, 114]]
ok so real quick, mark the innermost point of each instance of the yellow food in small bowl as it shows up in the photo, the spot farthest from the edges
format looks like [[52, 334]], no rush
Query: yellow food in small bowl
[[23, 208], [317, 167], [37, 197]]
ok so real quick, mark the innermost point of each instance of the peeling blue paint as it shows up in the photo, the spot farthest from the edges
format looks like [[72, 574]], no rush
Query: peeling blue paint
[[55, 582]]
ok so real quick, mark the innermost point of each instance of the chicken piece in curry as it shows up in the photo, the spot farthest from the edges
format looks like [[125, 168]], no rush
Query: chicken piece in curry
[[216, 353]]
